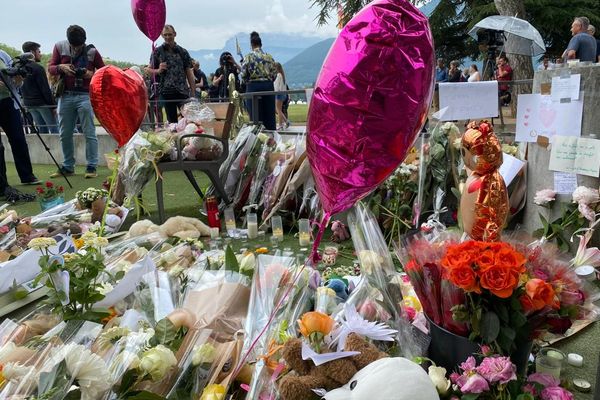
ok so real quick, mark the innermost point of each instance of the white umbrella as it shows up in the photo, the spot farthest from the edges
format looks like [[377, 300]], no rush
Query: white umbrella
[[521, 36]]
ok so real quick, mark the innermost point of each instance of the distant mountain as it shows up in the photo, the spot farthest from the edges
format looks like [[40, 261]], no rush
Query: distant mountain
[[302, 70], [281, 46]]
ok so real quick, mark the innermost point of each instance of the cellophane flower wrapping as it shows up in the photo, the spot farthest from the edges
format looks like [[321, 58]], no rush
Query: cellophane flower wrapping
[[58, 359], [271, 289], [139, 158], [377, 297]]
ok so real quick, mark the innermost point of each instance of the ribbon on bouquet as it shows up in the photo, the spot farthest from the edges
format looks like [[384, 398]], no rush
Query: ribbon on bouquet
[[148, 155]]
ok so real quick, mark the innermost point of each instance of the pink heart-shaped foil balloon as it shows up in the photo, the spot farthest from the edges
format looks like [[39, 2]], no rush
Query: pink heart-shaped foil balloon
[[370, 102], [149, 16]]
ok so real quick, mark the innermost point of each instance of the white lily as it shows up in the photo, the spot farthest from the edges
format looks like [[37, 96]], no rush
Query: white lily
[[585, 255]]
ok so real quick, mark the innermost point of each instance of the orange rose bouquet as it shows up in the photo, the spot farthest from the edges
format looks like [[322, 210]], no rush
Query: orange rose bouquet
[[496, 293]]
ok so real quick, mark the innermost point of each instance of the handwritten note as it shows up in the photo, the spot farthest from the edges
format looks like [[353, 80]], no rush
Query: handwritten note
[[538, 115], [565, 88], [565, 183], [575, 155], [469, 100]]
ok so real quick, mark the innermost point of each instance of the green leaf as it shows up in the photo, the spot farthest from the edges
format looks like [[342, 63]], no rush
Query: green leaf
[[490, 326], [470, 396], [231, 262], [128, 380], [164, 333], [503, 314], [506, 338], [524, 396], [518, 319]]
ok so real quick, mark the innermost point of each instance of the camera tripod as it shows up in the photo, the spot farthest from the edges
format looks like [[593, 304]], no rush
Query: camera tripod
[[34, 128]]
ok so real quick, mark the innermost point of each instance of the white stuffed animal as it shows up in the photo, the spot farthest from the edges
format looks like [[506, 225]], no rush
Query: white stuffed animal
[[392, 378]]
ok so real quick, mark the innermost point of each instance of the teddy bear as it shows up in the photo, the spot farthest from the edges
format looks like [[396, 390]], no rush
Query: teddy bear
[[305, 376], [393, 378], [181, 227]]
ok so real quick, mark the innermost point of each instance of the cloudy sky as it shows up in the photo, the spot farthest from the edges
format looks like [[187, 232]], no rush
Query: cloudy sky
[[200, 24]]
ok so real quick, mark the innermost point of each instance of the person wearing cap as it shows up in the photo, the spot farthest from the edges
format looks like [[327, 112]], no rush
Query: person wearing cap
[[37, 97], [75, 63]]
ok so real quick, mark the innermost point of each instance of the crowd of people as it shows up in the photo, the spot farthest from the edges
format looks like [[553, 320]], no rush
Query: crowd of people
[[58, 100]]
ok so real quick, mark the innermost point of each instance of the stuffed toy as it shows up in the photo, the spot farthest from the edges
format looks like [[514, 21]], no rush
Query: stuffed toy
[[340, 232], [184, 228], [393, 378], [305, 376], [141, 228]]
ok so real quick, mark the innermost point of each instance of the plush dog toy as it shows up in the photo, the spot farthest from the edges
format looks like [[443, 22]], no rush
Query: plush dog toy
[[305, 376], [181, 227], [393, 378]]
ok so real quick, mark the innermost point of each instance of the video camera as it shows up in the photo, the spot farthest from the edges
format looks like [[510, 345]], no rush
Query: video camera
[[490, 38], [19, 66]]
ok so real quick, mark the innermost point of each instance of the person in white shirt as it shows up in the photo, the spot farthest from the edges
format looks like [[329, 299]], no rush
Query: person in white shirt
[[280, 86], [474, 75]]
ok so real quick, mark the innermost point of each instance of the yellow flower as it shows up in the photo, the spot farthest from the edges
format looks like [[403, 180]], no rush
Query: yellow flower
[[41, 243], [100, 242], [213, 392], [315, 321], [204, 354], [79, 243], [261, 250]]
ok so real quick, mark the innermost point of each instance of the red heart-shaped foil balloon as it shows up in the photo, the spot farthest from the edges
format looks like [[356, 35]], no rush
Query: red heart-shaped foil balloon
[[120, 100]]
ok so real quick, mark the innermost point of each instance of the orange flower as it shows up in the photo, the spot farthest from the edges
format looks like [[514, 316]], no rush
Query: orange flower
[[464, 277], [78, 243], [499, 280], [315, 321], [510, 258], [486, 259], [261, 250], [456, 259], [540, 292]]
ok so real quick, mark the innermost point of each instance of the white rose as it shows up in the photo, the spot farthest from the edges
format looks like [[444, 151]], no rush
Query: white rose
[[247, 262], [204, 354], [438, 377], [156, 362]]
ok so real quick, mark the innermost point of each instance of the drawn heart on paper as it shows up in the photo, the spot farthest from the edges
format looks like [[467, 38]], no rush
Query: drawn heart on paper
[[526, 123], [547, 116], [526, 116]]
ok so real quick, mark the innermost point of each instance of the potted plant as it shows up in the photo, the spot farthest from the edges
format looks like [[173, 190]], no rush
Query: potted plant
[[50, 195]]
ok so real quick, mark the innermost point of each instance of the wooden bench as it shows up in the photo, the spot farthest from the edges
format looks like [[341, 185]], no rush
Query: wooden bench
[[222, 127]]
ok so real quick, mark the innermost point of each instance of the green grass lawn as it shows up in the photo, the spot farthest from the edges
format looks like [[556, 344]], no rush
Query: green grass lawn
[[187, 202], [298, 113]]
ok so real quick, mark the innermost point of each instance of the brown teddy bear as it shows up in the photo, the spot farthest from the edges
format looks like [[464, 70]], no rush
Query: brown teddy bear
[[305, 376]]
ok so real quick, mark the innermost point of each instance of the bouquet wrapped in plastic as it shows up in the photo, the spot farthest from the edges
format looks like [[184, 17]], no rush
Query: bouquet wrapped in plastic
[[139, 158]]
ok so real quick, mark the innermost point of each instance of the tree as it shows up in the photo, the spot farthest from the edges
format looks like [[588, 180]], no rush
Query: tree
[[344, 10]]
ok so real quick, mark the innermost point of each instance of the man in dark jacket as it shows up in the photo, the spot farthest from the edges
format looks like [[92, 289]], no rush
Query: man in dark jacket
[[37, 96]]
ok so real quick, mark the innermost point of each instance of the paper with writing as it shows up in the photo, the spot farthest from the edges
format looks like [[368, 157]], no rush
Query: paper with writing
[[565, 88], [575, 155], [469, 100], [538, 115], [565, 183], [510, 168]]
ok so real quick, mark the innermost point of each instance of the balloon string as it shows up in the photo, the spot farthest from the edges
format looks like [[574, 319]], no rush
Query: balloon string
[[314, 255], [154, 87]]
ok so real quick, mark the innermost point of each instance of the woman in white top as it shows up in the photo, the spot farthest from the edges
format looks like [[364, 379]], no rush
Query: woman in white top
[[474, 75], [280, 86]]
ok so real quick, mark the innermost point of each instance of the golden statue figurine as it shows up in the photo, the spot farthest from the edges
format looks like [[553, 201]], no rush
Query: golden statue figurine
[[484, 202]]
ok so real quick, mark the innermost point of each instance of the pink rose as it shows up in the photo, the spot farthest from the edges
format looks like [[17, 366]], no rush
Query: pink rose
[[469, 364], [486, 350], [454, 377], [556, 393], [474, 383], [530, 388], [543, 379], [497, 369]]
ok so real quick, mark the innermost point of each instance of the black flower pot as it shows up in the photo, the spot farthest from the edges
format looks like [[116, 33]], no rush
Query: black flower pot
[[449, 350]]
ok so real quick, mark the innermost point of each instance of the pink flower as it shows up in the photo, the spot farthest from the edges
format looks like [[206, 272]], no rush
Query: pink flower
[[556, 393], [540, 274], [486, 350], [544, 197], [543, 379], [587, 212], [454, 377], [469, 364], [585, 195], [585, 255], [497, 369], [530, 388], [474, 383]]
